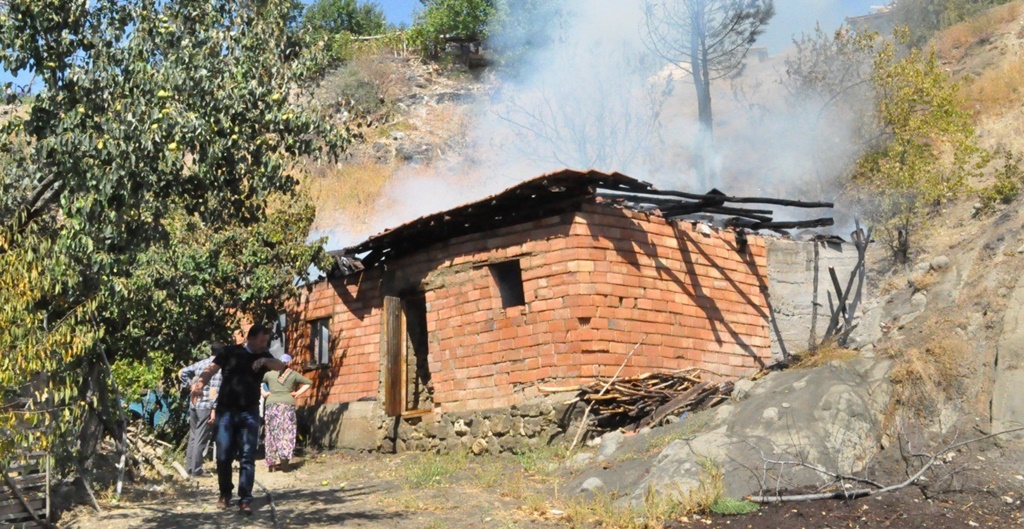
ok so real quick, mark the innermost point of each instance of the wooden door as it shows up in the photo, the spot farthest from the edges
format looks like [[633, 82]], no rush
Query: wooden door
[[393, 345]]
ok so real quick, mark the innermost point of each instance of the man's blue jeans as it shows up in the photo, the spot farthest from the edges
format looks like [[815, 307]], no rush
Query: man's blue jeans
[[237, 433]]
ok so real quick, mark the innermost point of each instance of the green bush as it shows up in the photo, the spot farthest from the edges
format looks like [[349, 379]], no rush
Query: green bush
[[1009, 179], [733, 507], [468, 19]]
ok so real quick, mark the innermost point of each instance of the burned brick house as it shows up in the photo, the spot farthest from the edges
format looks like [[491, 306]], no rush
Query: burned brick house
[[553, 281]]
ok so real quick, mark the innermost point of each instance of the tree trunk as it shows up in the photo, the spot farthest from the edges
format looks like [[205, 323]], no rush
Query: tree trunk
[[702, 85]]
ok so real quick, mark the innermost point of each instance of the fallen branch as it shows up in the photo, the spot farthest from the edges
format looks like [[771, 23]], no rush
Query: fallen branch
[[85, 484], [860, 493], [270, 500], [557, 389]]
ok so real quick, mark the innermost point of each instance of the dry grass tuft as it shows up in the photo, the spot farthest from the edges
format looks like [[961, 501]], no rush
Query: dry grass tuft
[[998, 88], [952, 43], [610, 512], [431, 470], [924, 378], [823, 354], [657, 509], [924, 281], [346, 195], [710, 486]]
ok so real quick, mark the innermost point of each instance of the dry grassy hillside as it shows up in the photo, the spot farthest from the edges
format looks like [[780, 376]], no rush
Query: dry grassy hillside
[[404, 112], [986, 54]]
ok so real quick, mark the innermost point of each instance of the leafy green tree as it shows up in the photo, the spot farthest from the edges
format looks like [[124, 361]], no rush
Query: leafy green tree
[[923, 151], [334, 17], [468, 19], [135, 217], [708, 39]]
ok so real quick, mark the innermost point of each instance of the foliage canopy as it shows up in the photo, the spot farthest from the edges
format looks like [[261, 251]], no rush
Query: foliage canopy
[[440, 19], [334, 17], [708, 39], [138, 210]]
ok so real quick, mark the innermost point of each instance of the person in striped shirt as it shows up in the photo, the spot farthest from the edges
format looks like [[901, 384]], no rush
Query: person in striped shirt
[[201, 413]]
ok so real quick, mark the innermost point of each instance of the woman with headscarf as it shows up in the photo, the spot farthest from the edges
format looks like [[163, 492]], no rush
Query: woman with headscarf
[[282, 387]]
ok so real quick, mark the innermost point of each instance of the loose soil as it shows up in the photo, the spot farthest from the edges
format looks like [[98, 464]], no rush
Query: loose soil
[[376, 491]]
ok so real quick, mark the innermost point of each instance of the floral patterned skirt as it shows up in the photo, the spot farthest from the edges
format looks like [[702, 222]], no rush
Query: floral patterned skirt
[[280, 433]]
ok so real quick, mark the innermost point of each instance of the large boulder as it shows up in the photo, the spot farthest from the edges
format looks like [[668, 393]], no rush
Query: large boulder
[[828, 417], [1007, 399]]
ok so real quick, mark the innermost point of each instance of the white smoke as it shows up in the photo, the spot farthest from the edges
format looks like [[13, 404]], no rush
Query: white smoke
[[594, 97]]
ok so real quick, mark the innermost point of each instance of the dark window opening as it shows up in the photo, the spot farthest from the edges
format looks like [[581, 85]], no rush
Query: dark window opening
[[508, 276], [320, 341], [419, 392]]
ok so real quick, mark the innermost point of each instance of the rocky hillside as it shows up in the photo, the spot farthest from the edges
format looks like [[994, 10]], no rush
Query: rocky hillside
[[406, 114]]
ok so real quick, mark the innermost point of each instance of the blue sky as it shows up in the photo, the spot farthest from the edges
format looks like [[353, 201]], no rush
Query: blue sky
[[399, 11]]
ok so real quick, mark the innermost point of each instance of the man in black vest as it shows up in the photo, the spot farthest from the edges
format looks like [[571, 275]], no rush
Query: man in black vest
[[238, 414]]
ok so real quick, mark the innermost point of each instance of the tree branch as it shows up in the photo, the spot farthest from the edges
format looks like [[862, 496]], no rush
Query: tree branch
[[859, 493]]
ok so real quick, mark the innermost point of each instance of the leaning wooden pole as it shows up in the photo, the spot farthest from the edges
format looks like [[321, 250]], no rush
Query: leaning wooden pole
[[586, 412]]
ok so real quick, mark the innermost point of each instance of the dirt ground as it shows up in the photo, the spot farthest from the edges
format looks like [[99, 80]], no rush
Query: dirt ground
[[375, 491]]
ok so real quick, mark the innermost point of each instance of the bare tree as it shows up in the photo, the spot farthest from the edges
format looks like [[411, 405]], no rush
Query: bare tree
[[608, 120], [708, 39]]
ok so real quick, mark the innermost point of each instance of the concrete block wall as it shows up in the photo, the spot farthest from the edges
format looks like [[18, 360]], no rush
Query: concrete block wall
[[799, 288]]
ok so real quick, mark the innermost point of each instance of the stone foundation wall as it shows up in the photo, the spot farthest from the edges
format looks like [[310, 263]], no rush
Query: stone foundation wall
[[362, 426]]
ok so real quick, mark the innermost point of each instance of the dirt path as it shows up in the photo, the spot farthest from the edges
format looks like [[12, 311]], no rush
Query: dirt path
[[366, 491], [423, 491]]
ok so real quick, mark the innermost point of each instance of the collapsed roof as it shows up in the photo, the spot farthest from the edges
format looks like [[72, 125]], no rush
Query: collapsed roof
[[557, 193]]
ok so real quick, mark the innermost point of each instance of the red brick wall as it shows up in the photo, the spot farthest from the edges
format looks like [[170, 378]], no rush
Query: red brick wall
[[353, 306], [595, 284]]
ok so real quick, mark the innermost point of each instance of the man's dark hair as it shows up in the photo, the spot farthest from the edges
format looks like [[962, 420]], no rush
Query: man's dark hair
[[216, 348], [257, 330]]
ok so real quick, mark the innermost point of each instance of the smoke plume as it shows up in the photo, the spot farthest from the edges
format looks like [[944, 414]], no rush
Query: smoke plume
[[583, 91]]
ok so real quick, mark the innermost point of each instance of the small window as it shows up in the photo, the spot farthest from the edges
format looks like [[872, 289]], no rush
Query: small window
[[509, 278], [320, 341]]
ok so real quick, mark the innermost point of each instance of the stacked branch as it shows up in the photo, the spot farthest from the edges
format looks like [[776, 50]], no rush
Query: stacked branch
[[647, 399], [148, 455]]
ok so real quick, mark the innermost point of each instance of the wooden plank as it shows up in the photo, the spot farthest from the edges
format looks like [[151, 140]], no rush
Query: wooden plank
[[682, 400], [392, 338], [28, 481], [8, 498], [21, 525], [16, 512]]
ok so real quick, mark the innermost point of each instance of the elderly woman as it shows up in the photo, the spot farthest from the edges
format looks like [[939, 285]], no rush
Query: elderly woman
[[282, 387]]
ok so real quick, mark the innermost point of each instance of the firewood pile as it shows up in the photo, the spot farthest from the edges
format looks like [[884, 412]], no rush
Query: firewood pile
[[647, 399], [148, 456]]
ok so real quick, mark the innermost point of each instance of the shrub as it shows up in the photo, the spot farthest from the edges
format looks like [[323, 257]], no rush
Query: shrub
[[1008, 181], [468, 19], [926, 377], [924, 151]]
